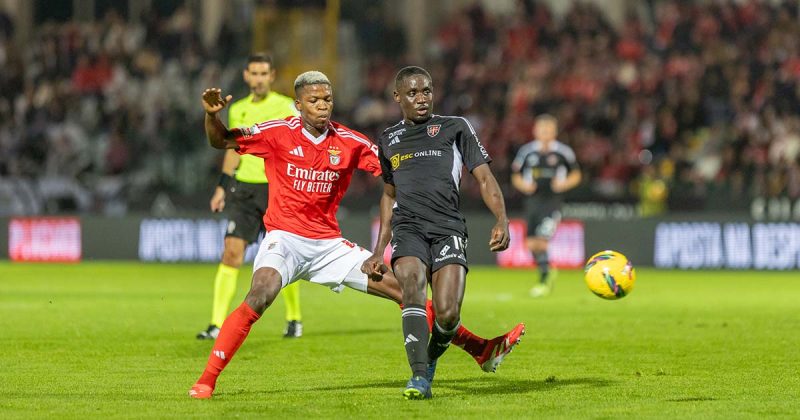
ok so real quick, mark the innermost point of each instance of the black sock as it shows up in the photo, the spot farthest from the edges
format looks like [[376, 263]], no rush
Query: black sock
[[544, 264], [440, 340], [415, 331]]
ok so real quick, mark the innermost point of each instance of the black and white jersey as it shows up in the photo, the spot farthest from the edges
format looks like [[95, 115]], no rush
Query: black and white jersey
[[542, 166], [424, 162]]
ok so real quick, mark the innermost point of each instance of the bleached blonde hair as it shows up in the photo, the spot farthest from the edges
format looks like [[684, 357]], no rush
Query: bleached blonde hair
[[312, 77]]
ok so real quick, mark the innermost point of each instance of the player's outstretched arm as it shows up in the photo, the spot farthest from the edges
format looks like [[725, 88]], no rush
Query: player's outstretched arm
[[374, 266], [493, 197], [218, 135]]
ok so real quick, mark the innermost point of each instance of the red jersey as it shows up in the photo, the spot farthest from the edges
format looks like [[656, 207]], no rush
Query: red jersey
[[307, 176]]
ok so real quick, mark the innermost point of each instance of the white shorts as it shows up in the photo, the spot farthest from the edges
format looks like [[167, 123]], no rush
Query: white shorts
[[333, 263]]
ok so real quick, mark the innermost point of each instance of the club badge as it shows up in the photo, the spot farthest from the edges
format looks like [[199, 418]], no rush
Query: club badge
[[433, 130], [333, 156]]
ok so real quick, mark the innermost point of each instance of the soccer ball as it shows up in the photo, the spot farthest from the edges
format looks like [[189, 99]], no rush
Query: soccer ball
[[609, 275]]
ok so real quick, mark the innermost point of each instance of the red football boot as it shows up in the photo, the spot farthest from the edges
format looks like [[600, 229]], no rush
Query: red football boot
[[498, 347]]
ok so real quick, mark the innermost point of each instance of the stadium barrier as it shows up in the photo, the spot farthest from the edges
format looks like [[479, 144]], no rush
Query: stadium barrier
[[706, 242]]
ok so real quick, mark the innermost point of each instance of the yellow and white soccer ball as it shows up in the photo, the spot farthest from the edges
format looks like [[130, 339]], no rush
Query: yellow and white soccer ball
[[609, 275]]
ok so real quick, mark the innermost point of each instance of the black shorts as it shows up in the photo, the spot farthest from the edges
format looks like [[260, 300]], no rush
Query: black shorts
[[436, 251], [245, 205], [542, 218]]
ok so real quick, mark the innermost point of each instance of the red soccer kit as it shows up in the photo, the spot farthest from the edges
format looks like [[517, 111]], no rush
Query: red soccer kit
[[307, 176]]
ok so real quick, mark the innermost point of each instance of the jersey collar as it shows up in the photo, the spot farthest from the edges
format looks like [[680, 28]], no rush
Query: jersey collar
[[315, 140]]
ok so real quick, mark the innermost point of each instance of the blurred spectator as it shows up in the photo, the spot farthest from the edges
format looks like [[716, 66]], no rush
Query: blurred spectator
[[710, 89]]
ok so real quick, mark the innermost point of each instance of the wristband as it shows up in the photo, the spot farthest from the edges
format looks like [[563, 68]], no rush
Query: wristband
[[225, 181]]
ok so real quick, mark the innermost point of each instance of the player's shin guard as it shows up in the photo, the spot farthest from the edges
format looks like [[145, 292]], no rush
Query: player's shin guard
[[224, 289], [415, 331], [232, 334], [440, 340]]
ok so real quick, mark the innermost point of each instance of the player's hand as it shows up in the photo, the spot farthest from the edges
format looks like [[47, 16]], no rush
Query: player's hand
[[374, 267], [213, 101], [500, 237], [558, 186], [218, 200], [529, 188]]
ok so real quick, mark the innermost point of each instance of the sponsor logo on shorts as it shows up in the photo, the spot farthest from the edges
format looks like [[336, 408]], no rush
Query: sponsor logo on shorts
[[444, 250], [450, 256]]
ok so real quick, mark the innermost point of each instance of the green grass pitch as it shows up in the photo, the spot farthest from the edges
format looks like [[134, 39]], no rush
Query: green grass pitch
[[117, 340]]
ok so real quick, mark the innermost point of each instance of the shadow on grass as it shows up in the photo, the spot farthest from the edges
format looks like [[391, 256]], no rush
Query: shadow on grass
[[480, 386], [489, 386]]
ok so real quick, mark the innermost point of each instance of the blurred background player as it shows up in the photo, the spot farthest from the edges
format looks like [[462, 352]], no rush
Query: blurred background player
[[543, 170], [244, 183]]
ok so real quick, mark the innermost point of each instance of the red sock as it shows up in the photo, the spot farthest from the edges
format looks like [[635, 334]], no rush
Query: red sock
[[431, 316], [232, 334], [464, 338], [470, 342]]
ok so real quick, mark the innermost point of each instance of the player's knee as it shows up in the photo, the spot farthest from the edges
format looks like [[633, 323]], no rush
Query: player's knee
[[412, 283], [447, 316], [265, 287], [232, 257]]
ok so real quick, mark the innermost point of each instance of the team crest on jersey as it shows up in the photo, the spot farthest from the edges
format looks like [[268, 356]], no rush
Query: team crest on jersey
[[333, 156], [433, 130], [552, 160]]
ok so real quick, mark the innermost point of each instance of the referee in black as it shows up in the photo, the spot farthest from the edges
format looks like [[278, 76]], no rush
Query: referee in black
[[543, 170], [422, 158]]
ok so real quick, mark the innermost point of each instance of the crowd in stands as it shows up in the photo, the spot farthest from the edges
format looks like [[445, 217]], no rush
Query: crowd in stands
[[701, 97], [103, 117], [705, 92]]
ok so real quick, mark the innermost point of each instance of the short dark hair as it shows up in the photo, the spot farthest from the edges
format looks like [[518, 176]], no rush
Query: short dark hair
[[409, 71], [260, 57]]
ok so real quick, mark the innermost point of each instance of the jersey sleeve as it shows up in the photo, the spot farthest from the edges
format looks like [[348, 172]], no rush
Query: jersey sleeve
[[471, 149], [386, 165], [368, 159], [257, 140], [569, 158], [519, 160]]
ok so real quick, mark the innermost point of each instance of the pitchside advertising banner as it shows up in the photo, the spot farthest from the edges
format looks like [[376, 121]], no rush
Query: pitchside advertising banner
[[662, 243], [771, 246], [53, 239], [175, 240]]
